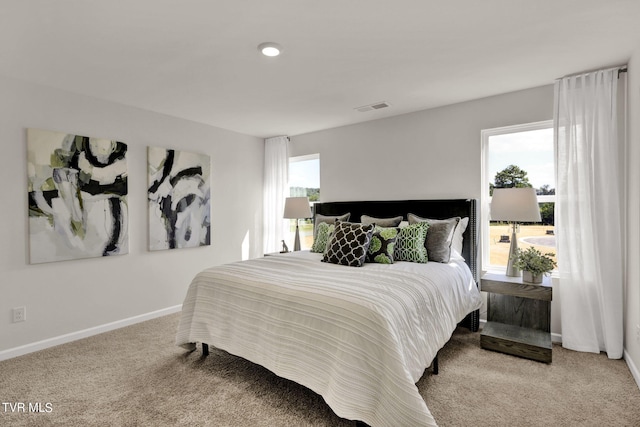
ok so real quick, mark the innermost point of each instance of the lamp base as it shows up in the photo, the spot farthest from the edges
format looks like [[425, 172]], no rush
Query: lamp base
[[296, 242], [512, 270]]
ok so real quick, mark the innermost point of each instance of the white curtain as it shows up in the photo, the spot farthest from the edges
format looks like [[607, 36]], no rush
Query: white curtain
[[588, 213], [276, 178]]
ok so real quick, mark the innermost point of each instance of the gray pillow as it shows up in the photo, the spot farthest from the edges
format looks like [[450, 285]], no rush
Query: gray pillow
[[329, 220], [381, 222], [439, 236]]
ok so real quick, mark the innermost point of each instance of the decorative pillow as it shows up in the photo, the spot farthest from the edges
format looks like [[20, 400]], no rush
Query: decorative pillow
[[382, 222], [319, 219], [383, 242], [440, 236], [322, 237], [458, 240], [349, 244], [410, 243]]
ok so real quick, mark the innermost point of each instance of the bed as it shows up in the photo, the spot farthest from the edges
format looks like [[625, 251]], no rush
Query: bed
[[361, 337]]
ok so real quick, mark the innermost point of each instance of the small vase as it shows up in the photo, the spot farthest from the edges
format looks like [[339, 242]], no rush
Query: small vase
[[530, 277]]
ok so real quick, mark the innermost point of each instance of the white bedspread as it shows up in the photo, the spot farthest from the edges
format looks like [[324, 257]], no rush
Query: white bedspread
[[359, 337]]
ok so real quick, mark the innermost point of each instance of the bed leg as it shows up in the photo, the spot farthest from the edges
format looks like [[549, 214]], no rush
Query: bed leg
[[205, 350], [435, 365], [476, 321], [473, 321]]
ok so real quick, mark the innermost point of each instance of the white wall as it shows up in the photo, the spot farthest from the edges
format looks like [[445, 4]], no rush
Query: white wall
[[65, 297], [632, 294], [429, 154]]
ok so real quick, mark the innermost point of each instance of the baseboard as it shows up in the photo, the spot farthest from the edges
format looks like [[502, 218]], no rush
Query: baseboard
[[73, 336], [632, 367]]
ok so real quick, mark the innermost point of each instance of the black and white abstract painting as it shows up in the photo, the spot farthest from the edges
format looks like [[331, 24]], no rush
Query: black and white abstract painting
[[179, 199], [77, 196]]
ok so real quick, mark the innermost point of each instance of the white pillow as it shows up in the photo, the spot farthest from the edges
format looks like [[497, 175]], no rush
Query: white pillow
[[456, 244]]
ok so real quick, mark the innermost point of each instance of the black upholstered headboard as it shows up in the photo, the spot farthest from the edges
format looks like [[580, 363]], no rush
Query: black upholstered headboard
[[436, 209]]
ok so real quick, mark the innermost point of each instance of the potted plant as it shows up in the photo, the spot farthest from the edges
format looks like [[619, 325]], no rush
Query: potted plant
[[534, 264]]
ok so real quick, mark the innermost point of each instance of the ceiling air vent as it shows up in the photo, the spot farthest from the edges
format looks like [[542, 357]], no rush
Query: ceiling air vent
[[374, 106]]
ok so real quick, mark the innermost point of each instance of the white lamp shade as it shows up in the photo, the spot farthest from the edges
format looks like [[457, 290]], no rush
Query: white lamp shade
[[297, 207], [515, 204]]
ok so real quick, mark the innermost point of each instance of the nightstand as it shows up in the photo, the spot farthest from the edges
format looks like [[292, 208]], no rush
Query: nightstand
[[518, 317]]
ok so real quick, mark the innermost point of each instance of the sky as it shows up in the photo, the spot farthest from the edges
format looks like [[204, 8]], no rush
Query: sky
[[305, 173], [532, 151]]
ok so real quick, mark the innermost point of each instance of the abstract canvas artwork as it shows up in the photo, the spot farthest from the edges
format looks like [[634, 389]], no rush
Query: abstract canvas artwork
[[179, 199], [77, 196]]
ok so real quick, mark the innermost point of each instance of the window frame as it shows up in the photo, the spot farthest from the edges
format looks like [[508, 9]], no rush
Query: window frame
[[485, 198], [303, 158]]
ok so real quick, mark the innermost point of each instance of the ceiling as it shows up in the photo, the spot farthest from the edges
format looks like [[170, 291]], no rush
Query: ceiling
[[198, 59]]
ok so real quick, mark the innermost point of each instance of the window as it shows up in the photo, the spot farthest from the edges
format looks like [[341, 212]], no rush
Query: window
[[304, 180], [518, 156]]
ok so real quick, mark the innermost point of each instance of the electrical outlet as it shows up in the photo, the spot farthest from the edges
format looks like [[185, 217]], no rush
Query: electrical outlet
[[638, 332], [19, 314]]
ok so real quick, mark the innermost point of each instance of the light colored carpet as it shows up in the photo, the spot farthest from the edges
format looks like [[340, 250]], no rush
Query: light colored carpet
[[136, 376]]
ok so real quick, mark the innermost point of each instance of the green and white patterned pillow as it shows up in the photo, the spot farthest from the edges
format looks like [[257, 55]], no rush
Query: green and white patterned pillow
[[324, 232], [349, 244], [410, 243], [383, 242], [319, 219]]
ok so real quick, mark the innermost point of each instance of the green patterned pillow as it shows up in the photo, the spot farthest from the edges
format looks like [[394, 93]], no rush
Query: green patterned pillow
[[410, 243], [382, 245], [319, 219], [324, 232]]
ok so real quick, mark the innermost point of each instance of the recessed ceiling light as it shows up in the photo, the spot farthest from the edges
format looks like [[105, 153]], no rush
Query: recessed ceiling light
[[270, 49]]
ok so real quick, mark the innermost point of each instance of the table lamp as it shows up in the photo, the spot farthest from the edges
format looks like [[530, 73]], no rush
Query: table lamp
[[514, 205], [296, 208]]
